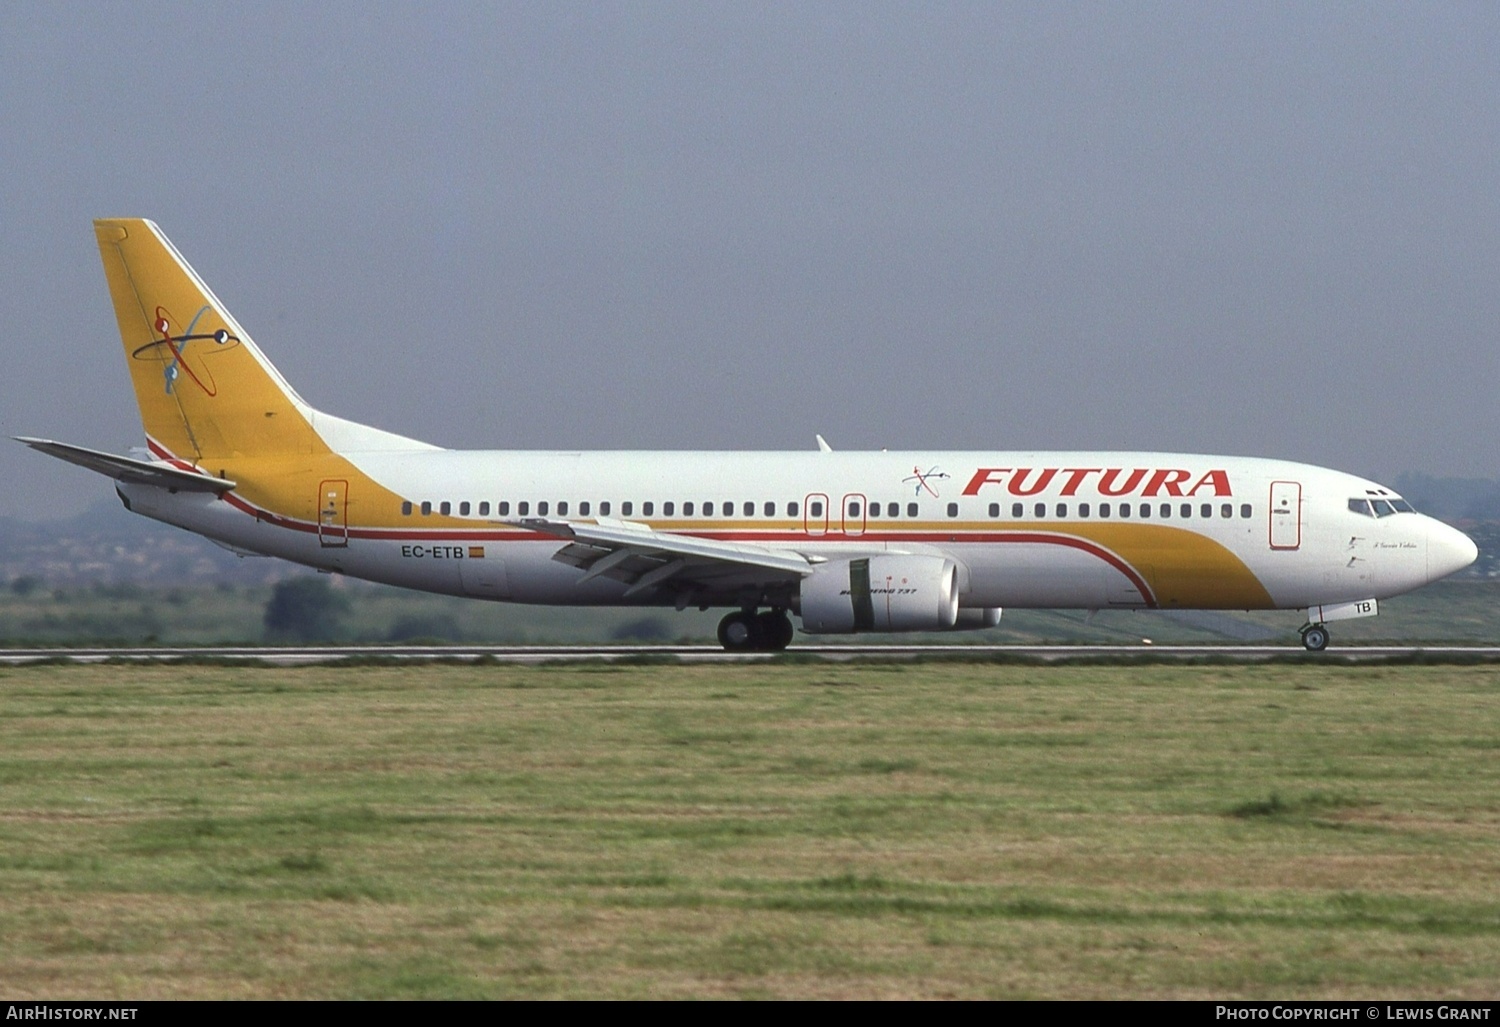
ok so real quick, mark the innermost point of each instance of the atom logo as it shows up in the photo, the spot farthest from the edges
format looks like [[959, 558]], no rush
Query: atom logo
[[177, 347], [919, 478]]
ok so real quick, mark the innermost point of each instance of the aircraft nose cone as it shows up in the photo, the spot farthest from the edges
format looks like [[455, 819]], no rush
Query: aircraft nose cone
[[1448, 550]]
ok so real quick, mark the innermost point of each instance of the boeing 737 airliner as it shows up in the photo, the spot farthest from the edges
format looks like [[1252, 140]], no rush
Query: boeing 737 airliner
[[847, 542]]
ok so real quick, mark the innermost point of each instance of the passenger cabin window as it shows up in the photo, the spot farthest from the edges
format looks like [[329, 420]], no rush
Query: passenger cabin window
[[1166, 509], [1245, 510], [893, 509], [406, 508], [647, 509], [769, 508], [1206, 511], [562, 508], [1124, 509], [426, 508], [911, 509], [668, 509], [1040, 509], [446, 508], [853, 509], [1083, 509], [687, 509], [1186, 510], [1103, 509], [503, 508], [484, 508], [541, 508], [523, 508], [463, 508], [874, 509], [1062, 509], [627, 508], [952, 509], [994, 509], [815, 509], [1145, 509], [749, 508], [583, 508], [1226, 511], [791, 509]]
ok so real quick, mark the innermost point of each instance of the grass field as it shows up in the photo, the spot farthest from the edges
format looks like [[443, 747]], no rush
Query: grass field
[[786, 829]]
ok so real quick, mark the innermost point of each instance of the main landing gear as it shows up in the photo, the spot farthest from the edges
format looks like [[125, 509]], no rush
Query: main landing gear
[[748, 631], [1315, 637]]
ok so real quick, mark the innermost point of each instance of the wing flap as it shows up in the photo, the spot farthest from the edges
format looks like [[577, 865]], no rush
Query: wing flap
[[641, 558], [126, 469]]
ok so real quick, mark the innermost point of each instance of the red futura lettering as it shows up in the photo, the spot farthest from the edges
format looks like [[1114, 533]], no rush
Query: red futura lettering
[[1163, 481], [1018, 486], [1218, 479], [1107, 482], [985, 476], [1169, 480], [1075, 478]]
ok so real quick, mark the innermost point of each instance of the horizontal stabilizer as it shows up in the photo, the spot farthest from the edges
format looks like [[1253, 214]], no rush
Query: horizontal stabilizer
[[136, 472]]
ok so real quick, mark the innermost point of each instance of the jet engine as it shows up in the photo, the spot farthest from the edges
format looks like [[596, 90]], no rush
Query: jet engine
[[881, 593]]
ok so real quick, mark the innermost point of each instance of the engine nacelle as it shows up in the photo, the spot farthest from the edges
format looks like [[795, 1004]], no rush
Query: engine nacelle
[[881, 593], [978, 618]]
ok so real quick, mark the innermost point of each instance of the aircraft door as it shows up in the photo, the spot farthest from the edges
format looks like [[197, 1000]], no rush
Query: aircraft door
[[854, 514], [815, 514], [333, 513], [1286, 515]]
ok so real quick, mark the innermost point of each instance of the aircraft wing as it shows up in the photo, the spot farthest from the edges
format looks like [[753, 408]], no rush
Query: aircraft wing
[[124, 468], [643, 558]]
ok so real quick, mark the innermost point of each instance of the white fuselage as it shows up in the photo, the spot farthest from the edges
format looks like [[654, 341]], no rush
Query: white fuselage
[[1085, 530]]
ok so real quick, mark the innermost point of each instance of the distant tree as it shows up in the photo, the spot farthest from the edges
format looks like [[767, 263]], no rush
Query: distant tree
[[25, 585], [305, 610]]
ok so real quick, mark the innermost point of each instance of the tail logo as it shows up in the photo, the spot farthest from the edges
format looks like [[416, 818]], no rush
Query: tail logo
[[177, 346]]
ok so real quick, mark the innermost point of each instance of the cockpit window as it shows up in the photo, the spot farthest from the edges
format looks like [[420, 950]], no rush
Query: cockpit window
[[1379, 507]]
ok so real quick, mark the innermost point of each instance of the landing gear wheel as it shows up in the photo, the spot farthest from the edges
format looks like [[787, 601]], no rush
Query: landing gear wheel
[[776, 630], [740, 632], [1315, 638]]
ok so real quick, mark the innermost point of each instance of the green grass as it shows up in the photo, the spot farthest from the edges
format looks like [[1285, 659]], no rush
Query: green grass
[[783, 830]]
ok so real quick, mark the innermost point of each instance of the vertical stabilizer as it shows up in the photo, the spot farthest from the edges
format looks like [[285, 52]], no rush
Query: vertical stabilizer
[[205, 391]]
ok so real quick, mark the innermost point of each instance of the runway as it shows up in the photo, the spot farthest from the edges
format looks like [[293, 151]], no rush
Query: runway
[[297, 655]]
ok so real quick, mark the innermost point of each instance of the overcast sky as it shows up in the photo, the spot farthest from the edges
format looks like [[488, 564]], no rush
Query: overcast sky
[[1270, 229]]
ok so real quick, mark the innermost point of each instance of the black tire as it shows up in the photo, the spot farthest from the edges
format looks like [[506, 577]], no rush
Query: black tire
[[776, 630], [1315, 638], [739, 632]]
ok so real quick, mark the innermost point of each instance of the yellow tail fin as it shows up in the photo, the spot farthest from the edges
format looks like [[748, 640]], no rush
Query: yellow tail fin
[[205, 391]]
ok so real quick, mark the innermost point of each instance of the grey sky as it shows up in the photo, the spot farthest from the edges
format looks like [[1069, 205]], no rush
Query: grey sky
[[1248, 228]]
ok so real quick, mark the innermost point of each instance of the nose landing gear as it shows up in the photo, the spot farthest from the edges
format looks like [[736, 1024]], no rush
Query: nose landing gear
[[1315, 638], [748, 631]]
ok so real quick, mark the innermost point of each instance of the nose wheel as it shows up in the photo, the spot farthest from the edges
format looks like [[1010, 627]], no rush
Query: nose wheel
[[748, 631], [1315, 638]]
